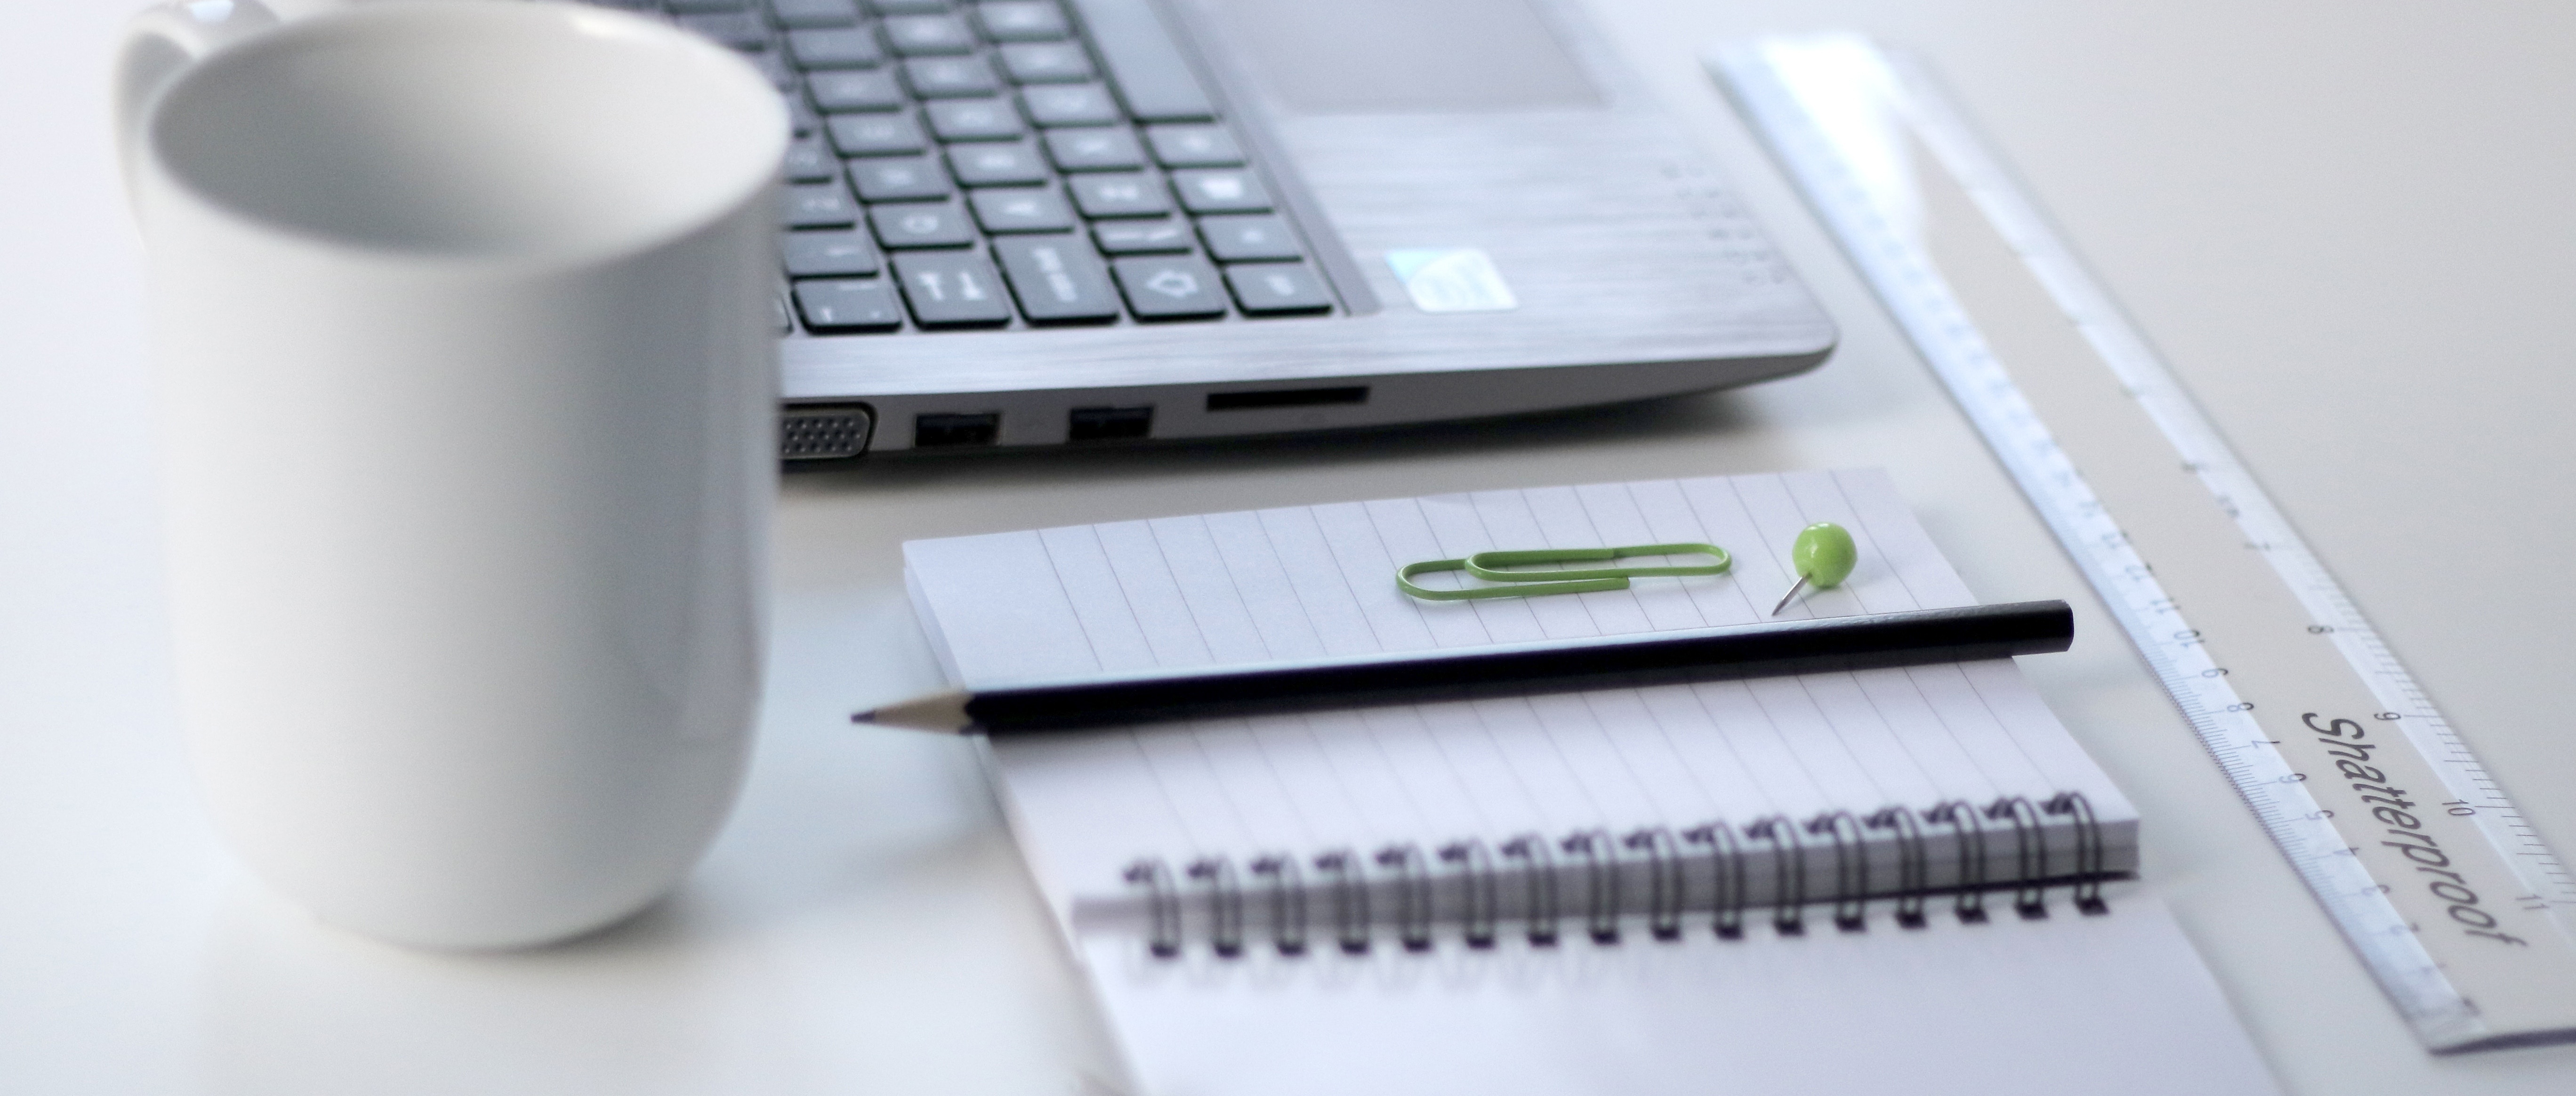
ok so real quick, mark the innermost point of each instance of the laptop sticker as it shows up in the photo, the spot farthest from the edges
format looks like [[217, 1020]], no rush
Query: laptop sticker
[[1452, 279]]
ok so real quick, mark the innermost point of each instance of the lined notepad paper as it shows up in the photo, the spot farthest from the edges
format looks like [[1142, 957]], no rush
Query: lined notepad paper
[[1319, 580], [1312, 581]]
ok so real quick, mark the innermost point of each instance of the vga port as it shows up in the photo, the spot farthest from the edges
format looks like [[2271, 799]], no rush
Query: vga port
[[824, 431]]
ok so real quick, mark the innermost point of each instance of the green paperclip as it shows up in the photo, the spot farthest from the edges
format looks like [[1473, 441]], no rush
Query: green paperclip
[[1526, 587], [1539, 583], [1485, 565]]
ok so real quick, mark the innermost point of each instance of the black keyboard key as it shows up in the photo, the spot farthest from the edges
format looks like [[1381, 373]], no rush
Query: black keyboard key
[[1118, 196], [958, 289], [877, 135], [1022, 21], [898, 179], [799, 14], [739, 29], [1094, 150], [1057, 279], [847, 47], [819, 205], [1046, 63], [921, 224], [1194, 146], [995, 164], [1277, 289], [848, 306], [1248, 239], [829, 254], [1142, 237], [1152, 77], [949, 77], [972, 120], [858, 89], [1054, 105], [928, 35], [1020, 209], [1177, 288], [809, 161], [1220, 191]]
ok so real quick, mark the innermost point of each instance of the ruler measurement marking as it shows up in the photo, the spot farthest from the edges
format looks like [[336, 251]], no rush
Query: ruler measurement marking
[[2320, 851]]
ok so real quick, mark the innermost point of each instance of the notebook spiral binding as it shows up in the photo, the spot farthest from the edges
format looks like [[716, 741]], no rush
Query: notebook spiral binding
[[1520, 885]]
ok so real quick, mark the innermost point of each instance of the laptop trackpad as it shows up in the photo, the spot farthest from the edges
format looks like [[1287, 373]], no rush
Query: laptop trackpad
[[1402, 56]]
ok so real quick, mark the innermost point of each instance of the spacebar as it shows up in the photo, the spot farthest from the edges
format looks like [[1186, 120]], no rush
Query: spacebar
[[1152, 78]]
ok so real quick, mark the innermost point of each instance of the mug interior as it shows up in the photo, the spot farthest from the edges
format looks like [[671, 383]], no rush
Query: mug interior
[[474, 129]]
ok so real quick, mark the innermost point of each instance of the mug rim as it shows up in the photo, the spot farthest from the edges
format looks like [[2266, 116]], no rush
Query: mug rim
[[721, 200]]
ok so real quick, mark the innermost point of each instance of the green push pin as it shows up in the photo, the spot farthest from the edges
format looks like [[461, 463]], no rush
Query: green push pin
[[1823, 557]]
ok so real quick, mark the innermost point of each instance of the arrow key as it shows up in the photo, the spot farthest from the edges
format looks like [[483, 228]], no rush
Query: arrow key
[[1176, 288], [952, 289]]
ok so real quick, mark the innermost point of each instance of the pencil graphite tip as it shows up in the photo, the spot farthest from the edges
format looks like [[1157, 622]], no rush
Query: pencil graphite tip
[[942, 711]]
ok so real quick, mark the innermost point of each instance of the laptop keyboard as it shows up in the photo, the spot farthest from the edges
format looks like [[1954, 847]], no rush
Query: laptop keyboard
[[979, 165]]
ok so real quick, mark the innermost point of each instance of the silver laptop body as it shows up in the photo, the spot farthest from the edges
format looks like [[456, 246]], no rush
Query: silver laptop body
[[1497, 218]]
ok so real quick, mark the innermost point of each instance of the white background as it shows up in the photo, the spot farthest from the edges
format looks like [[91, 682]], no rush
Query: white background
[[2350, 225]]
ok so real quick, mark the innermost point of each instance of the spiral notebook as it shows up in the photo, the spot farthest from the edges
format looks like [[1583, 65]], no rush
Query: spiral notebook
[[1890, 880]]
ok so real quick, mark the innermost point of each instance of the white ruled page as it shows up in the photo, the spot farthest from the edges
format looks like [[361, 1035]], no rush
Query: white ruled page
[[2050, 1005], [1302, 582]]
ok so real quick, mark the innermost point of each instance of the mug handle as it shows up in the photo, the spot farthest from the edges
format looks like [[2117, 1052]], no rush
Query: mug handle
[[162, 41]]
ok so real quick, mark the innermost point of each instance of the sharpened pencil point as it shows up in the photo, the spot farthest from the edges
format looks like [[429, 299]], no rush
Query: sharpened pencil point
[[944, 712]]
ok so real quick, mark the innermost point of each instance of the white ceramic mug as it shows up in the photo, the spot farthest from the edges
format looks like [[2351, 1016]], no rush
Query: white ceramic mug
[[467, 400]]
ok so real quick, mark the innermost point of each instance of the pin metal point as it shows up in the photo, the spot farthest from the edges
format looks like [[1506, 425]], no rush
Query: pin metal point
[[1801, 584], [1823, 557]]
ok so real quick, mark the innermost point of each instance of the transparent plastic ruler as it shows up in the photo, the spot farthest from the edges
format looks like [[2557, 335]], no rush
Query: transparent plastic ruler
[[2451, 900]]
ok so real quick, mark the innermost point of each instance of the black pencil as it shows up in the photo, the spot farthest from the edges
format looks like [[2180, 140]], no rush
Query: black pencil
[[1645, 658]]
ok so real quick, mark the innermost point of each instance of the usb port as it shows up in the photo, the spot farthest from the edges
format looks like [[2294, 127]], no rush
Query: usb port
[[1110, 423], [937, 430]]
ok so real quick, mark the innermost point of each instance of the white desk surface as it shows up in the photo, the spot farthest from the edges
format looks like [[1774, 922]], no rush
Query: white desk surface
[[2352, 226]]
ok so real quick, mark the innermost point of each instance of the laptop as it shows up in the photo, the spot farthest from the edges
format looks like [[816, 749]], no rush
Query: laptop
[[1028, 223]]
